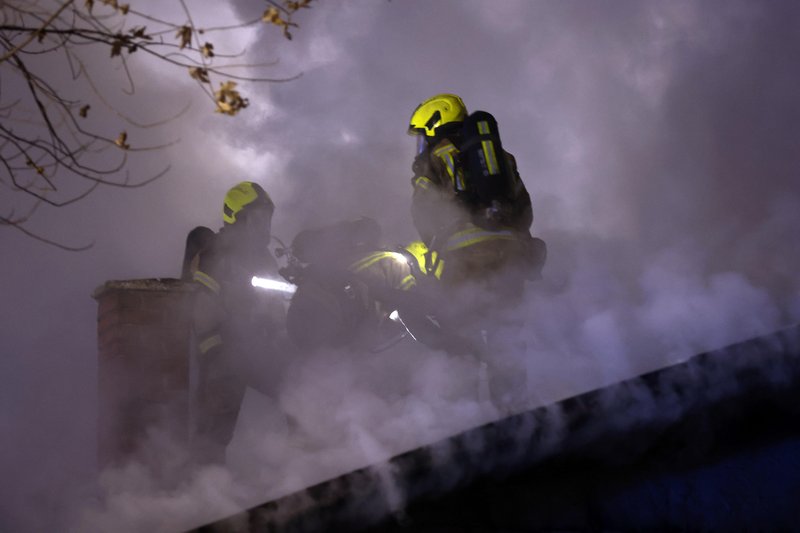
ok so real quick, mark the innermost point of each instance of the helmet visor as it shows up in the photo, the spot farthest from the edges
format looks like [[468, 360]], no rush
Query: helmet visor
[[422, 143]]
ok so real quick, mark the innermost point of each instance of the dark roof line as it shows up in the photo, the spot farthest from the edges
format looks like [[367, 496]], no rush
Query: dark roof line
[[617, 423]]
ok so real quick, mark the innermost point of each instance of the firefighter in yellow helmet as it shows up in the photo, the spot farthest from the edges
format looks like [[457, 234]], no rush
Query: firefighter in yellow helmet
[[469, 203], [237, 328]]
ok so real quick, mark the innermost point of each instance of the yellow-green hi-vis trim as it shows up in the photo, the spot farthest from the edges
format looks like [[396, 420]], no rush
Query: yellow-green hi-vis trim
[[408, 282], [207, 344], [491, 159], [373, 258], [206, 280], [472, 236], [423, 182], [488, 149]]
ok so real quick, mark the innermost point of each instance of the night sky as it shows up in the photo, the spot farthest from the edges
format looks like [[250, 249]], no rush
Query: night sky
[[660, 142]]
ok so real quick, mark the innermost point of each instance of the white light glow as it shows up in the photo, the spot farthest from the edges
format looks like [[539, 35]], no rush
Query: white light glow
[[273, 285]]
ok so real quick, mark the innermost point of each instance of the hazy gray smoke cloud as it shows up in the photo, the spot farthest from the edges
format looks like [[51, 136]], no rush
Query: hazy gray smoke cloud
[[657, 139]]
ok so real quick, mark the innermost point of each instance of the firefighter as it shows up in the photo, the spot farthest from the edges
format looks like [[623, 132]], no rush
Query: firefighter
[[469, 203], [235, 326], [351, 291]]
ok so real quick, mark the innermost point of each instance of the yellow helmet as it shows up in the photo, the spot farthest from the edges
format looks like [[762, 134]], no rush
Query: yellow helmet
[[245, 194], [436, 112], [422, 253]]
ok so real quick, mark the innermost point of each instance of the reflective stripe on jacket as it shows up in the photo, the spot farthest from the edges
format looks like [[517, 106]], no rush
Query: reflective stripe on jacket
[[206, 280], [473, 235], [396, 272]]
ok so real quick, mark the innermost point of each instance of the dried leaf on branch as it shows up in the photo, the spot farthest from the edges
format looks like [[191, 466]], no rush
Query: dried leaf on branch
[[273, 16], [199, 74], [207, 50], [229, 100], [121, 141], [184, 33]]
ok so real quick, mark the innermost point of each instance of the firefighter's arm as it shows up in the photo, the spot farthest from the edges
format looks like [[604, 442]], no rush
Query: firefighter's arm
[[421, 198], [432, 205], [423, 208]]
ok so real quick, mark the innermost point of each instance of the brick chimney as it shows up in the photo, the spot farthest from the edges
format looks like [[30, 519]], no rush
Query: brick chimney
[[143, 363]]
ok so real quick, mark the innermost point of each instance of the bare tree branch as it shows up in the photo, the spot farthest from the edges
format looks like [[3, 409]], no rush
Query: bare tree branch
[[36, 34], [49, 151], [18, 226]]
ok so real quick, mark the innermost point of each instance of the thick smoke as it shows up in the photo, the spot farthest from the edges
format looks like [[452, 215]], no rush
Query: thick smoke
[[657, 141]]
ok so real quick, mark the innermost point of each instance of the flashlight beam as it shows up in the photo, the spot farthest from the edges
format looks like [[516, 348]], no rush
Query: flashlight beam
[[273, 285]]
